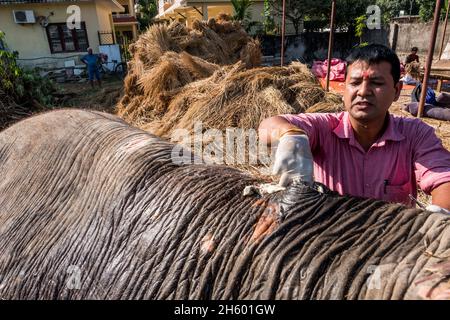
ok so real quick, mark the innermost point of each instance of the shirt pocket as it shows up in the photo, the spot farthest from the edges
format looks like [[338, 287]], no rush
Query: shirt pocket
[[398, 193]]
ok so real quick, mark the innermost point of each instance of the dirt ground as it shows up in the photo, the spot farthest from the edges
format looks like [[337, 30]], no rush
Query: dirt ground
[[81, 95]]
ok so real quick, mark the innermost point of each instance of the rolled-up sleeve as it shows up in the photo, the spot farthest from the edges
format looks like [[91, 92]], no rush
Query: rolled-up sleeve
[[431, 160], [314, 125]]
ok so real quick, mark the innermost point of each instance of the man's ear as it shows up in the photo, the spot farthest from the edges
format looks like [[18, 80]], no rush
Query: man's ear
[[398, 90]]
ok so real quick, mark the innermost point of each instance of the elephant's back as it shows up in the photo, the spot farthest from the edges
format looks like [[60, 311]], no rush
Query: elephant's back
[[64, 177], [93, 208]]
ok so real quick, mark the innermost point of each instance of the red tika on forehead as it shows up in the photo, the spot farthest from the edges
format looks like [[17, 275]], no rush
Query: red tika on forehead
[[365, 74]]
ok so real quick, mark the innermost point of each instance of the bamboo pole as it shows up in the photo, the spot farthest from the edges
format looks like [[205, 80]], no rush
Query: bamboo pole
[[423, 94], [330, 42], [443, 33], [283, 29]]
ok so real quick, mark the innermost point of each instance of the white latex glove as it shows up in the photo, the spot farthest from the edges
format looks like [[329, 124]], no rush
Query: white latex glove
[[293, 159], [436, 209]]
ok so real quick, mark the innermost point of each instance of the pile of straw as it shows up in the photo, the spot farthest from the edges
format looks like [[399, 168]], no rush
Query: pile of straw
[[166, 58], [173, 97], [210, 74], [238, 97]]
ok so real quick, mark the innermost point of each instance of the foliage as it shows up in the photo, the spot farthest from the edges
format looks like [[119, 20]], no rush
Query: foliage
[[148, 9], [241, 9], [297, 10], [242, 14], [268, 23], [347, 11], [392, 8], [360, 25], [316, 14], [20, 85], [427, 7]]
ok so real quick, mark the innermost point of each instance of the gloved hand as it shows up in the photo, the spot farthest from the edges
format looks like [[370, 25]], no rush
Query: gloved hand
[[293, 159], [436, 209]]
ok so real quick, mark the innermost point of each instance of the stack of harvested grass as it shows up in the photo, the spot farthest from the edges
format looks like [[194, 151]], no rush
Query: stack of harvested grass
[[220, 42], [233, 96], [179, 77], [166, 59], [173, 72]]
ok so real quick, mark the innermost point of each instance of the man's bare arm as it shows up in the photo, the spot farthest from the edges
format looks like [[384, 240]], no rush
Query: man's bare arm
[[272, 128], [441, 196]]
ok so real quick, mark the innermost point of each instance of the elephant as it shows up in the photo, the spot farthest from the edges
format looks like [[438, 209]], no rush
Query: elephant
[[93, 208]]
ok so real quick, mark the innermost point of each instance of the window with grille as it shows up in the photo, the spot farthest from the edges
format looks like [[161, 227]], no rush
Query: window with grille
[[63, 39]]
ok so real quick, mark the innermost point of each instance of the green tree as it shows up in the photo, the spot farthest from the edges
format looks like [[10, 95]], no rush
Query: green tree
[[20, 89], [347, 11], [392, 8], [426, 9], [360, 25], [297, 10], [269, 22], [241, 10], [148, 9]]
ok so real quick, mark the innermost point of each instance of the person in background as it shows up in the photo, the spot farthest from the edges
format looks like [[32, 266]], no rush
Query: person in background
[[412, 57], [91, 60]]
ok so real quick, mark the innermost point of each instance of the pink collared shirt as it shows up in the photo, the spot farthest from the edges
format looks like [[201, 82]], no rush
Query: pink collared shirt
[[408, 154]]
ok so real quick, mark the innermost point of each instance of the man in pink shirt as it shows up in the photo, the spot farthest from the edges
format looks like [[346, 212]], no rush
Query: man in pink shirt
[[364, 151]]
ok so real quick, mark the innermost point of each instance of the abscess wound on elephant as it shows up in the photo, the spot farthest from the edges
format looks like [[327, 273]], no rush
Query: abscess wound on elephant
[[267, 222], [207, 243]]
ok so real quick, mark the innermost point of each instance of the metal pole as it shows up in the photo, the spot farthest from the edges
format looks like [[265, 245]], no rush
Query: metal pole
[[443, 33], [283, 28], [423, 94], [330, 41]]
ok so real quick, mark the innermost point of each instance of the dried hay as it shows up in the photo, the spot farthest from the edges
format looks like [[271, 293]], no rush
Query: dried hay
[[196, 79], [166, 58], [233, 96], [413, 69], [217, 41], [146, 91], [331, 102]]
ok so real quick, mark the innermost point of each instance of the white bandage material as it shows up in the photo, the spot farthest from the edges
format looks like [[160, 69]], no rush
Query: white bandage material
[[437, 209], [293, 160]]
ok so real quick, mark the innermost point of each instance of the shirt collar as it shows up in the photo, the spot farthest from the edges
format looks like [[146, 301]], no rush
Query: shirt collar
[[344, 130]]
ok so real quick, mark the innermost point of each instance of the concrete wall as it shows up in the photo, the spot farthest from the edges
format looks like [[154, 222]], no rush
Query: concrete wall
[[310, 46], [30, 40], [417, 34], [104, 18]]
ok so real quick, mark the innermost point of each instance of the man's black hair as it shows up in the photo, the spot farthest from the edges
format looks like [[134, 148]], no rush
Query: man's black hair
[[414, 49], [374, 54]]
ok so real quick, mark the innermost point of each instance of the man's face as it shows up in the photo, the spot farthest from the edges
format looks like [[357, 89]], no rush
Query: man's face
[[369, 91], [90, 51]]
